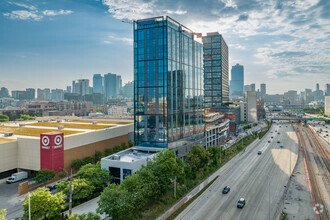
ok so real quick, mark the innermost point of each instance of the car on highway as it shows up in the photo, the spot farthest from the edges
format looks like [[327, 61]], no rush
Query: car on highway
[[278, 142], [226, 190], [278, 133], [281, 146], [51, 188], [259, 152], [272, 137], [269, 141], [241, 203]]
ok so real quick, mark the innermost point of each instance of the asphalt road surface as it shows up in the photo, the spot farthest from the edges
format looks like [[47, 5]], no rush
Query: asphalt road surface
[[252, 177]]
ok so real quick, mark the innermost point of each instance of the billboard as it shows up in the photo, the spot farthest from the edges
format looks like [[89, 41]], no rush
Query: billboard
[[52, 151]]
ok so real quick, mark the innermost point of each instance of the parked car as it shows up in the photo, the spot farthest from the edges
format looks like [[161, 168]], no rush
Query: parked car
[[226, 190], [51, 188], [259, 152], [241, 203]]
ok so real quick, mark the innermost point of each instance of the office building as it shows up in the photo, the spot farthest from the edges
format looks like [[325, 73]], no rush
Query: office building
[[252, 87], [82, 87], [168, 85], [127, 90], [31, 93], [237, 81], [246, 88], [97, 83], [216, 87], [43, 94], [263, 90], [118, 85], [68, 89], [110, 85], [57, 94], [73, 86], [249, 108], [327, 89], [4, 92]]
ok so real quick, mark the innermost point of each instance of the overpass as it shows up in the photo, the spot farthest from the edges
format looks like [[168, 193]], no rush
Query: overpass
[[290, 119]]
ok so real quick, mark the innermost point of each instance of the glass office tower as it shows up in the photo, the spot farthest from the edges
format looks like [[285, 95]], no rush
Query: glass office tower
[[168, 84], [215, 70], [237, 81]]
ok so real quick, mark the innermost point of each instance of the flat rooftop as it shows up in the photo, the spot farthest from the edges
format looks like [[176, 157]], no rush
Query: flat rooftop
[[133, 154]]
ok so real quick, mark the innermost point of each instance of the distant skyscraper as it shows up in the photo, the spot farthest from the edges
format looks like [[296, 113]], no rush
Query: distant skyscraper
[[82, 87], [168, 85], [253, 87], [68, 89], [216, 87], [4, 92], [327, 89], [43, 94], [317, 87], [57, 94], [237, 81], [263, 90], [73, 86], [31, 93], [110, 87], [118, 84], [97, 83], [127, 90]]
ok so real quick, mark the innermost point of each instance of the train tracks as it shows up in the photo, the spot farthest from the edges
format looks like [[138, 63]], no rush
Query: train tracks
[[318, 171]]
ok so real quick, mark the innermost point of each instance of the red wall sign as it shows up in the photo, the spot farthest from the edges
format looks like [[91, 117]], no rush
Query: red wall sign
[[52, 151]]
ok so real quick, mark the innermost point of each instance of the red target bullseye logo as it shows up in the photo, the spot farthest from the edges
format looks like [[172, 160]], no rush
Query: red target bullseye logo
[[58, 140], [45, 140]]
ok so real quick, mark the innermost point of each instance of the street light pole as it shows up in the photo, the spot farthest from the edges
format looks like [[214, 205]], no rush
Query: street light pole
[[70, 202]]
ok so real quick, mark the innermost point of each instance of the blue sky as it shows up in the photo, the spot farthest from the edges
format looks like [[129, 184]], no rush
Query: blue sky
[[47, 44]]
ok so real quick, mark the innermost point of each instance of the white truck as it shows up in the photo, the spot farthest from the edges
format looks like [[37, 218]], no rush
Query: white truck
[[17, 177]]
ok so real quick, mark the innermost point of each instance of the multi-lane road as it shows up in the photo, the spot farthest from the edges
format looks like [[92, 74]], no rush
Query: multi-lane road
[[260, 179]]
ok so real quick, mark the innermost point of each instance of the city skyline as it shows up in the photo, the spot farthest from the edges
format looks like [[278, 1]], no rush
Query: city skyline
[[71, 39]]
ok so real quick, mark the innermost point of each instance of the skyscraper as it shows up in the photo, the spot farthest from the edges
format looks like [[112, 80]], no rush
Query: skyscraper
[[215, 55], [68, 89], [31, 93], [317, 87], [168, 85], [252, 87], [43, 94], [4, 92], [118, 84], [127, 90], [97, 83], [327, 89], [263, 90], [237, 81], [82, 87], [110, 85]]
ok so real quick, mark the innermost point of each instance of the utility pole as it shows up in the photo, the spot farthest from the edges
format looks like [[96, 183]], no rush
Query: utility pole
[[71, 189]]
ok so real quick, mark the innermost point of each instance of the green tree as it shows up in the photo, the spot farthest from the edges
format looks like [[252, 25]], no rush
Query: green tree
[[4, 118], [25, 117], [197, 158], [88, 216], [99, 109], [3, 214], [95, 175], [44, 175], [76, 164], [214, 155], [108, 151], [116, 202], [98, 155], [83, 189], [88, 160], [43, 204]]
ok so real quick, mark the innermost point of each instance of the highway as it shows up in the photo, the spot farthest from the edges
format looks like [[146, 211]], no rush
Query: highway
[[253, 177]]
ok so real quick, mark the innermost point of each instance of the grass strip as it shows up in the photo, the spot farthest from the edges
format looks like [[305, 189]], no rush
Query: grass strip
[[184, 206]]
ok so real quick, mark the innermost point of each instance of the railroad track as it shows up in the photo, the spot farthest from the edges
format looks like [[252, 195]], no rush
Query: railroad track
[[312, 148]]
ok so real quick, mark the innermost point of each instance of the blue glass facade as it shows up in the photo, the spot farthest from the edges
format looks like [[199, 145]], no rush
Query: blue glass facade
[[168, 84], [237, 81], [215, 70]]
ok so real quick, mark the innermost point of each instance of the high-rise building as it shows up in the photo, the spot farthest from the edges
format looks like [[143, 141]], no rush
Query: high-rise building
[[127, 90], [327, 89], [97, 83], [68, 89], [168, 85], [327, 105], [252, 87], [57, 94], [237, 81], [252, 107], [317, 87], [110, 81], [31, 93], [82, 86], [118, 84], [43, 94], [216, 87], [263, 90], [73, 86], [4, 92]]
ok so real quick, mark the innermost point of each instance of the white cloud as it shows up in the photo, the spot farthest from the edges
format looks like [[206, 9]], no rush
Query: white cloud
[[111, 39], [23, 15], [177, 12], [54, 12], [23, 5]]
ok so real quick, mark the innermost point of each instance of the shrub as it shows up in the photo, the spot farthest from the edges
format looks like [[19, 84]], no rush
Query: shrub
[[108, 151], [76, 164], [44, 175], [98, 155], [4, 118]]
